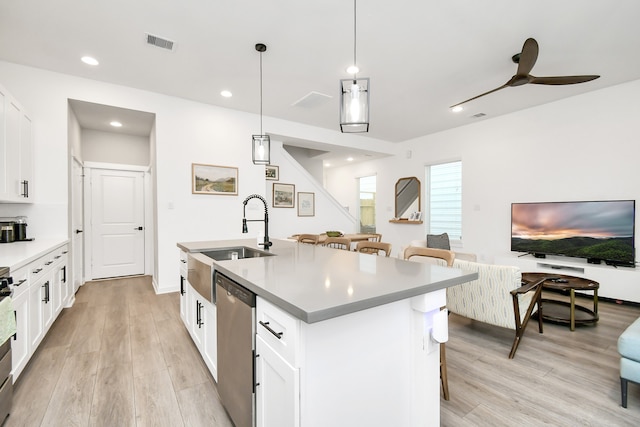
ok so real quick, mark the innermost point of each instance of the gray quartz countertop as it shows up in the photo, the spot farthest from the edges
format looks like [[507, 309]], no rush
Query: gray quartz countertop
[[314, 283]]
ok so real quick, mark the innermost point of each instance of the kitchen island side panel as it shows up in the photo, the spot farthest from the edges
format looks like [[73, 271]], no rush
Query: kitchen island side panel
[[360, 369]]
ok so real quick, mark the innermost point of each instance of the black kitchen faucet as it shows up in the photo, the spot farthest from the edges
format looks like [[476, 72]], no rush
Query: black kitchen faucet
[[266, 244]]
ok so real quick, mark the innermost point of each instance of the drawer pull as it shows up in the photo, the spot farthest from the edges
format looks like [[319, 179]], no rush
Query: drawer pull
[[37, 270], [266, 325], [20, 282], [48, 263]]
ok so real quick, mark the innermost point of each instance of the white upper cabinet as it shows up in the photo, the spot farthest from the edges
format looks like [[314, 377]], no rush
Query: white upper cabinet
[[16, 151]]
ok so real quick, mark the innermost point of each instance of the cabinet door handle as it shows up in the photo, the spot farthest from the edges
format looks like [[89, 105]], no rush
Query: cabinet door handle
[[181, 285], [46, 292], [25, 188], [64, 274], [277, 334]]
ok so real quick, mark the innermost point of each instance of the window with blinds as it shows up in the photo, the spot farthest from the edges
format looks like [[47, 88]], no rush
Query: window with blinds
[[445, 199]]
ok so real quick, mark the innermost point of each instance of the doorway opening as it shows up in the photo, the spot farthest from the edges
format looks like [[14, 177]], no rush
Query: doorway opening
[[367, 204], [111, 198]]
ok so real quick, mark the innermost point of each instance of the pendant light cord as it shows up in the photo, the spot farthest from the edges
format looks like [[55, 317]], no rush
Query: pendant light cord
[[354, 37], [260, 93]]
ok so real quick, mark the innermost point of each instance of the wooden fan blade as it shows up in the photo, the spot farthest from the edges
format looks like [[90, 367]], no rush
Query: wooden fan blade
[[476, 97], [528, 57], [561, 80]]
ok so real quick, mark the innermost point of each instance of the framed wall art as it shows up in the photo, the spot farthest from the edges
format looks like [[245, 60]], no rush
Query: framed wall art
[[272, 173], [283, 195], [212, 179], [306, 204]]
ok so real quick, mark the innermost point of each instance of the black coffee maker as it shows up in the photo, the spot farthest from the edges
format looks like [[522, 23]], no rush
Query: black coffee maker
[[20, 229]]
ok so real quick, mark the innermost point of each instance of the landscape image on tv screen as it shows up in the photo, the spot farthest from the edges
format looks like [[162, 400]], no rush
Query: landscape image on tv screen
[[599, 230]]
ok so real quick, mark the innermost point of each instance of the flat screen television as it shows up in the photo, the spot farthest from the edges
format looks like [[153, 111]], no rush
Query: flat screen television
[[601, 231]]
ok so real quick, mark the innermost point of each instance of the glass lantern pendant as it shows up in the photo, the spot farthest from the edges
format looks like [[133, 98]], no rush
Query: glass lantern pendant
[[354, 105], [261, 144]]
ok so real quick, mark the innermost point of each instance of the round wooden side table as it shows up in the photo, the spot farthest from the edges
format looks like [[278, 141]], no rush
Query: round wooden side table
[[562, 311]]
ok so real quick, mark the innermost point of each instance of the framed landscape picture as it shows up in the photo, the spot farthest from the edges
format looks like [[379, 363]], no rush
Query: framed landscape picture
[[212, 179], [283, 195], [272, 172], [306, 204]]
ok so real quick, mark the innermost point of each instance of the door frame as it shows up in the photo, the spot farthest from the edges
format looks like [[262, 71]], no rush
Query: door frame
[[148, 221]]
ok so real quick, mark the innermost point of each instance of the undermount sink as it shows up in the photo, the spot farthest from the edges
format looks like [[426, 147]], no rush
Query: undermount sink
[[243, 252]]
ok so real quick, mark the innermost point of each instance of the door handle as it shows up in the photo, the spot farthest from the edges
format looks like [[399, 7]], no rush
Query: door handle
[[78, 231], [139, 228]]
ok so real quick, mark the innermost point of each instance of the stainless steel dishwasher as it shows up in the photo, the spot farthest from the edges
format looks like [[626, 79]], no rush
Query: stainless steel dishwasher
[[236, 343]]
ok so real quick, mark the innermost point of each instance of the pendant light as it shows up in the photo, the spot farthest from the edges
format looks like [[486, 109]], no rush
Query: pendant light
[[261, 143], [354, 95]]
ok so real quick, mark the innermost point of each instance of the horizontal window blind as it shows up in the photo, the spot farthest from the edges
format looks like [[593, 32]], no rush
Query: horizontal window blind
[[445, 199]]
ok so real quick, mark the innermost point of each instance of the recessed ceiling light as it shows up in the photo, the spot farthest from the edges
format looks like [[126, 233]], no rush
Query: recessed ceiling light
[[116, 124], [226, 94], [353, 69], [349, 159], [457, 108], [327, 165], [89, 60]]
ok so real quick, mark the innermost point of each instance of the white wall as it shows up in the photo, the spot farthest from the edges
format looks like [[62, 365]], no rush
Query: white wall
[[329, 215], [581, 148], [115, 147], [186, 132]]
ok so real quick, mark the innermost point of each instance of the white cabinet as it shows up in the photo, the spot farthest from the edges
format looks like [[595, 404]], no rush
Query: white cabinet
[[209, 349], [183, 289], [199, 317], [332, 372], [201, 323], [277, 388], [37, 298], [36, 306], [618, 283], [277, 367], [20, 343], [16, 150]]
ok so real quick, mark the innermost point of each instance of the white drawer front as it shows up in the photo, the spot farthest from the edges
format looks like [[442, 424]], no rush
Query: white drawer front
[[279, 329]]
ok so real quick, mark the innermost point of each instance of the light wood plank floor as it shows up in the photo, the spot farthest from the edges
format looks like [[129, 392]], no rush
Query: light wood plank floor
[[558, 378], [121, 357]]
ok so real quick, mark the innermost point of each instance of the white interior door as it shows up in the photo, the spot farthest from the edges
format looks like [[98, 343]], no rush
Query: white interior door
[[77, 221], [117, 223]]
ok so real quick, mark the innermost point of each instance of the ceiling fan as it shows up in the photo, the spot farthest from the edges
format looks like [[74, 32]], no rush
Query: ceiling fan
[[526, 60]]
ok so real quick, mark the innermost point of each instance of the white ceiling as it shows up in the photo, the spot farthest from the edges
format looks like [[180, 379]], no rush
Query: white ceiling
[[421, 56]]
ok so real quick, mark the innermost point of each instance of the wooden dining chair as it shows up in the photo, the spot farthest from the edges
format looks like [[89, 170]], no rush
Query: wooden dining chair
[[309, 239], [429, 255], [343, 243], [375, 237], [374, 248]]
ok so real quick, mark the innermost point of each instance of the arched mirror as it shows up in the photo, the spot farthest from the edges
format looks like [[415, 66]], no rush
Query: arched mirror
[[407, 196]]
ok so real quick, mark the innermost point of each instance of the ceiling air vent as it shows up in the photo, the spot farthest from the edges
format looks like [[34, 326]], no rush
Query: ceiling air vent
[[477, 116], [160, 42]]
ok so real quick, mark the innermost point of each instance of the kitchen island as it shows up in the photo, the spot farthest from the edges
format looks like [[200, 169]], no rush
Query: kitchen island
[[355, 344]]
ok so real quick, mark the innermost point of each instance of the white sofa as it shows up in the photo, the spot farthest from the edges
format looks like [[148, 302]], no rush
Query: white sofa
[[497, 297]]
